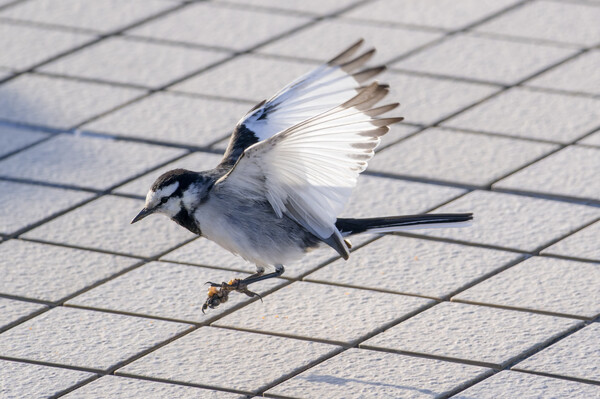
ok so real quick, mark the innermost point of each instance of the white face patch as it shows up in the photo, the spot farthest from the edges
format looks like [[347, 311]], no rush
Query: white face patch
[[153, 198]]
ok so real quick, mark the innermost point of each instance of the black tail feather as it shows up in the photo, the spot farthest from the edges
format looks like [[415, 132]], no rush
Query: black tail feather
[[356, 226]]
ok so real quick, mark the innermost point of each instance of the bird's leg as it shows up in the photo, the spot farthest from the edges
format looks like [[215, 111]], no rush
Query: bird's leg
[[219, 293]]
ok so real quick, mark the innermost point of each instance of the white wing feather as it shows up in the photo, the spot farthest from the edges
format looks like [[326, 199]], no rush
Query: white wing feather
[[309, 170]]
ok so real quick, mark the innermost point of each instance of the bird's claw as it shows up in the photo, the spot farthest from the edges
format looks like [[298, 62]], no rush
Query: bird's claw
[[219, 293]]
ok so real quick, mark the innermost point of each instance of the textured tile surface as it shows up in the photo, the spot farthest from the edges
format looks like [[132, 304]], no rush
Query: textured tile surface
[[49, 272], [571, 172], [19, 380], [13, 139], [514, 221], [532, 114], [426, 100], [546, 284], [323, 41], [494, 60], [84, 338], [213, 25], [583, 244], [128, 388], [575, 356], [458, 157], [24, 46], [104, 224], [505, 384], [592, 139], [89, 162], [166, 290], [573, 23], [213, 357], [306, 6], [135, 62], [475, 333], [387, 375], [446, 14], [196, 161], [248, 77], [58, 103], [99, 15], [173, 118], [25, 204], [325, 312], [12, 311], [414, 266], [579, 75]]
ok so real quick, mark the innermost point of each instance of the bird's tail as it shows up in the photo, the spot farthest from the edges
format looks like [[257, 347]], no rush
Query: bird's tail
[[390, 224]]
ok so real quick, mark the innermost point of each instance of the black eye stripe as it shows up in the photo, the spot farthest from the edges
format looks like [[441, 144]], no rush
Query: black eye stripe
[[164, 200]]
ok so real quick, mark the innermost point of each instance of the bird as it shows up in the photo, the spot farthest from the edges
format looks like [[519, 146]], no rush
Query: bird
[[289, 168]]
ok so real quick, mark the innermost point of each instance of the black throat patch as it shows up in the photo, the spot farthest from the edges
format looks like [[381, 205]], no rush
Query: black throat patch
[[184, 219]]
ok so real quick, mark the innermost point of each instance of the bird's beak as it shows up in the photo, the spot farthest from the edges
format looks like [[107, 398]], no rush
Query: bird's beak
[[143, 213]]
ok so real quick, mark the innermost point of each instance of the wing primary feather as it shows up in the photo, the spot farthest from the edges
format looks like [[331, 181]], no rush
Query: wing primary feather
[[366, 74], [346, 54], [358, 61], [381, 110]]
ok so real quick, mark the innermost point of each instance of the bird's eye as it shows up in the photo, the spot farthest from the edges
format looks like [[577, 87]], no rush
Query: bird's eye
[[164, 200]]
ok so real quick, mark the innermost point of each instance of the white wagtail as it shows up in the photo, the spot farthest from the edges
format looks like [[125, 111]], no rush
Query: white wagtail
[[288, 170]]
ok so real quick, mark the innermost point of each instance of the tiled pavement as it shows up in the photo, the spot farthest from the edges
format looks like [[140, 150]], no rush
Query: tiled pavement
[[502, 107]]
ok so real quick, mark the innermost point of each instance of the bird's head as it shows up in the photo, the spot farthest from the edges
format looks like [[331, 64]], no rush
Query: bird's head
[[175, 194]]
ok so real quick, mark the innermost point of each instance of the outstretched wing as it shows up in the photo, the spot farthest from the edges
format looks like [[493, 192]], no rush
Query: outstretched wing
[[308, 171], [318, 91]]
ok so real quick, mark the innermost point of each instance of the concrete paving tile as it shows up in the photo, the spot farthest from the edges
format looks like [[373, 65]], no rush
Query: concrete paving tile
[[211, 24], [546, 284], [468, 158], [446, 14], [19, 380], [513, 221], [99, 15], [387, 375], [509, 384], [51, 273], [318, 7], [196, 161], [166, 290], [26, 46], [204, 252], [532, 114], [583, 244], [550, 20], [426, 100], [58, 103], [13, 139], [575, 356], [336, 314], [395, 197], [322, 41], [90, 162], [414, 266], [12, 311], [136, 62], [105, 224], [592, 139], [84, 338], [111, 386], [494, 60], [23, 204], [476, 333], [248, 77], [579, 75], [571, 172], [214, 357], [173, 118], [5, 73], [397, 132]]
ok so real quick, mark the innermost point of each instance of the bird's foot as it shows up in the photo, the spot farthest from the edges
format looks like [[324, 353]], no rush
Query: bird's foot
[[219, 293]]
